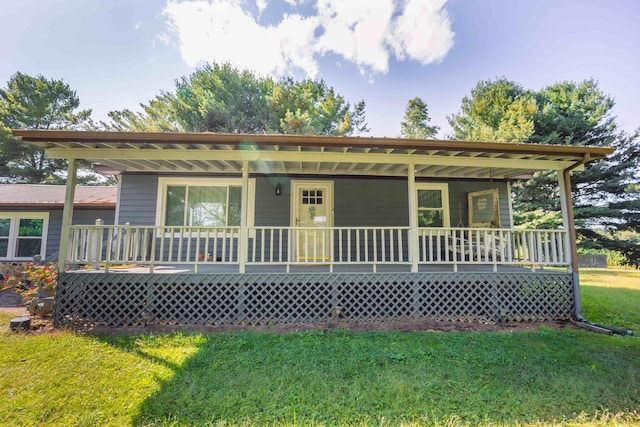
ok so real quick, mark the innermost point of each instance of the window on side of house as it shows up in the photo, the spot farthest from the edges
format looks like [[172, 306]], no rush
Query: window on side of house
[[433, 205], [23, 235], [201, 202]]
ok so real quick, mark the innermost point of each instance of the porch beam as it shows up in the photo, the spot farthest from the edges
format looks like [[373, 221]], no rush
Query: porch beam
[[67, 214], [309, 157]]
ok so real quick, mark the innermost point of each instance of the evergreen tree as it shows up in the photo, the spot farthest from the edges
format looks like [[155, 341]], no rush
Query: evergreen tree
[[565, 113], [221, 98], [416, 121], [36, 103]]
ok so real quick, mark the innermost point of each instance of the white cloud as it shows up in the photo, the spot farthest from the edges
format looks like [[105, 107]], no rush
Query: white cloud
[[356, 31], [423, 31], [364, 33]]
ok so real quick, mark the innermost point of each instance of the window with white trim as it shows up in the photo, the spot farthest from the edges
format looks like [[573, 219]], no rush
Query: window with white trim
[[202, 202], [23, 235], [433, 204]]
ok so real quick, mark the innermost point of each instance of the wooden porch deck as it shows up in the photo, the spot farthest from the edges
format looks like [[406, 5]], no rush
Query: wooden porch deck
[[318, 269]]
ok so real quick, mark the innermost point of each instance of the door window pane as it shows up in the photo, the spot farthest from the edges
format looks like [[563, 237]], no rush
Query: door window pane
[[431, 206], [429, 199], [430, 218]]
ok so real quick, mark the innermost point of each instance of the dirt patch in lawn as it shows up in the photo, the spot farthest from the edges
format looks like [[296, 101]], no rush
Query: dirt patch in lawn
[[402, 326]]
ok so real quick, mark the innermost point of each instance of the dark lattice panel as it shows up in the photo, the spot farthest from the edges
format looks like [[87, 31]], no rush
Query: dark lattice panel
[[101, 300], [176, 301], [523, 298], [384, 298], [113, 299], [456, 297], [309, 301]]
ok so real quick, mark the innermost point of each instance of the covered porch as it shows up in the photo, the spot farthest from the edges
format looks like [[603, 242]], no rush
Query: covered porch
[[287, 270]]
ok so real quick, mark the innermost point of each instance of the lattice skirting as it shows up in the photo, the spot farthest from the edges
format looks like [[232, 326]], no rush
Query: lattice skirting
[[121, 299]]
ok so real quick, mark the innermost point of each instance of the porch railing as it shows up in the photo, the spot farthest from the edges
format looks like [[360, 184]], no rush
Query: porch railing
[[108, 245]]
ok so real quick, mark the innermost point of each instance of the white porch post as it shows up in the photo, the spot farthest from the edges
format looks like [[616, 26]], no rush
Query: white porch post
[[67, 214], [566, 205], [413, 218], [243, 244]]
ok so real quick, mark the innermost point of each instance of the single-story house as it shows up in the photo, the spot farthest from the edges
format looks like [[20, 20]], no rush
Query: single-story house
[[31, 217], [248, 229]]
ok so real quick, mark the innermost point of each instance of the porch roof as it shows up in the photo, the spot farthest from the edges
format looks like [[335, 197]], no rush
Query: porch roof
[[206, 152]]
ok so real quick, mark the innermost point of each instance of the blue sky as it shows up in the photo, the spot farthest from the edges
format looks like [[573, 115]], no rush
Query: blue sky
[[119, 53]]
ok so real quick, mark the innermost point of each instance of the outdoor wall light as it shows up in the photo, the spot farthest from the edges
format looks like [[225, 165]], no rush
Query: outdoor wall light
[[278, 189]]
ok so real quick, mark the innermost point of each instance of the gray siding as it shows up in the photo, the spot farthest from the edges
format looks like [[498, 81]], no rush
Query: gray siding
[[357, 201], [80, 217], [138, 196], [271, 209], [371, 202]]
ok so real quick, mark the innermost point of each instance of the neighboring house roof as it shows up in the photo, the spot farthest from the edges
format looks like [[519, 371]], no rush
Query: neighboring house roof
[[305, 154], [52, 196]]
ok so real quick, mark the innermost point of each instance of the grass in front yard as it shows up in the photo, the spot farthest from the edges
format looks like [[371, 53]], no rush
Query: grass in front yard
[[547, 377], [611, 297]]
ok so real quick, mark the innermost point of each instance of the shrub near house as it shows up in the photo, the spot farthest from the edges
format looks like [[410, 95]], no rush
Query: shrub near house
[[31, 281]]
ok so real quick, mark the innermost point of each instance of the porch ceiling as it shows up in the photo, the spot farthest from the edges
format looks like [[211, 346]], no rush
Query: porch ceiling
[[299, 154]]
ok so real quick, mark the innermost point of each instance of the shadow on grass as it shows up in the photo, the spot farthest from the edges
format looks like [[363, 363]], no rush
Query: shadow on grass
[[340, 377]]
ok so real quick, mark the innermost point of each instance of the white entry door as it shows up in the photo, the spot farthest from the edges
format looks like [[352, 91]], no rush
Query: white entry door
[[312, 214]]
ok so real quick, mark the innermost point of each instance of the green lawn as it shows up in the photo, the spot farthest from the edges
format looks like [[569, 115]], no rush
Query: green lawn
[[611, 297], [546, 377]]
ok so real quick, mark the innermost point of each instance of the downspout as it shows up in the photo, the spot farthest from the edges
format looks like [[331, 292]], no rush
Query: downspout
[[581, 321]]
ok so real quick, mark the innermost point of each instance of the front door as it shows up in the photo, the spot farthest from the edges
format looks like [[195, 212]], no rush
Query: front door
[[312, 215]]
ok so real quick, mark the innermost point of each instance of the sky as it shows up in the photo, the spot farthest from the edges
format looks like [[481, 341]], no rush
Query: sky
[[117, 54]]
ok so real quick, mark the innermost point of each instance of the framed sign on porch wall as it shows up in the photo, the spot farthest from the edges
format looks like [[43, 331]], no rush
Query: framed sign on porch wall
[[484, 208]]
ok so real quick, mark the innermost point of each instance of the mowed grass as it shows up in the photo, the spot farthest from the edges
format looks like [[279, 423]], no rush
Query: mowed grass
[[611, 297], [545, 377]]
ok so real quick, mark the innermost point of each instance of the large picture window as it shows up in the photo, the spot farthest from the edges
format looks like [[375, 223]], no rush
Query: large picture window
[[201, 203], [23, 235], [433, 205]]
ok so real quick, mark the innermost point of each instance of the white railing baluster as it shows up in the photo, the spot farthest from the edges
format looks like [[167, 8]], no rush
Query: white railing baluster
[[366, 246], [254, 245], [540, 256], [375, 245], [383, 238]]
